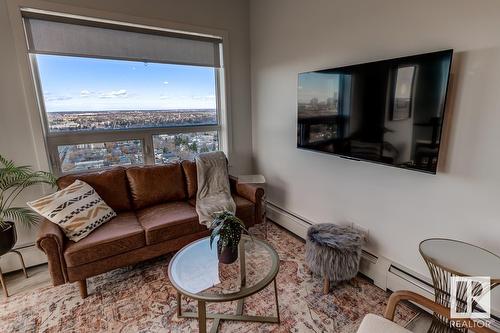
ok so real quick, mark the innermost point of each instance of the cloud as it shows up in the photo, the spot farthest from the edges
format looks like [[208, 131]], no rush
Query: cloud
[[57, 98], [85, 93], [204, 98], [114, 94], [165, 82]]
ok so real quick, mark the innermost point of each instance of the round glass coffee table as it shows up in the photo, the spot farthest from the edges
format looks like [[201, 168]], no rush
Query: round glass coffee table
[[195, 272]]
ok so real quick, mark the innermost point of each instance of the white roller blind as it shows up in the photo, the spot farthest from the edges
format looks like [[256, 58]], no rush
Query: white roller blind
[[48, 36]]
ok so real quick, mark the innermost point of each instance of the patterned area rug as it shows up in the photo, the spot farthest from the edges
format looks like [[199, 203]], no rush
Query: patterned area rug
[[141, 299]]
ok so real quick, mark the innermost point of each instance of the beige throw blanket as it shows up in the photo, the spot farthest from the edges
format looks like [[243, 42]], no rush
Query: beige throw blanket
[[214, 193]]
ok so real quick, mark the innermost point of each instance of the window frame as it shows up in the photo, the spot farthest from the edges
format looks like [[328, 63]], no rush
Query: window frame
[[41, 155], [55, 139]]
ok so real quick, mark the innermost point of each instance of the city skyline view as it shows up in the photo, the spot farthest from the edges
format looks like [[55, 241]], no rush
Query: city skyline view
[[78, 84], [128, 119], [167, 148], [318, 86], [91, 94]]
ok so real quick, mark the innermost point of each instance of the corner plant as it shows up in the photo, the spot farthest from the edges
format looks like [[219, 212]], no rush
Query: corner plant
[[14, 180], [229, 228]]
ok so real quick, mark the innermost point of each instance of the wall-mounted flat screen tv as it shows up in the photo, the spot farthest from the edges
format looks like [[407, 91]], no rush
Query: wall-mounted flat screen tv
[[388, 112]]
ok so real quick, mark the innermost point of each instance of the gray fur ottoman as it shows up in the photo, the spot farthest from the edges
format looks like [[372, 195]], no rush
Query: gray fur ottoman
[[333, 252]]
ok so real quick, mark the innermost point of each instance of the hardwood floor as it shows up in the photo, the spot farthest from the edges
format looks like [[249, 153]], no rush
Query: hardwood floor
[[421, 324], [38, 276]]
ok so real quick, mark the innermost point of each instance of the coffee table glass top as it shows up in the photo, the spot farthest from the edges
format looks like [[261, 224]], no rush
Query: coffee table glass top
[[195, 270], [462, 258]]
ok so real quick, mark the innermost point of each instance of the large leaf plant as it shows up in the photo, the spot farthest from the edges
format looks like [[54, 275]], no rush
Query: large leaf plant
[[229, 229], [13, 181]]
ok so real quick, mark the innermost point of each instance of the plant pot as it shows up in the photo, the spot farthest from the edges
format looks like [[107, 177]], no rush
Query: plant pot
[[8, 238], [227, 255]]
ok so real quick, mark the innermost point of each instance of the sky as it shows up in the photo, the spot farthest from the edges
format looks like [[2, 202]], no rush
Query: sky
[[88, 84]]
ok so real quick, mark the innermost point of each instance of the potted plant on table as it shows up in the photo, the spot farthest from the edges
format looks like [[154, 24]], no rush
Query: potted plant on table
[[229, 229], [13, 181]]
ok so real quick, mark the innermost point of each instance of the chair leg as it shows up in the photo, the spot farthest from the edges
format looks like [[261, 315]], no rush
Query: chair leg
[[326, 285], [83, 288], [4, 285], [22, 261]]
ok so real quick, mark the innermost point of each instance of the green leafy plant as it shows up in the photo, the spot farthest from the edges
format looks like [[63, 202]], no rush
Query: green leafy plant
[[14, 180], [229, 229]]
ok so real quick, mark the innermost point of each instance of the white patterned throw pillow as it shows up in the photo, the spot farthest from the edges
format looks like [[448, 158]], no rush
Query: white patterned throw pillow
[[77, 209]]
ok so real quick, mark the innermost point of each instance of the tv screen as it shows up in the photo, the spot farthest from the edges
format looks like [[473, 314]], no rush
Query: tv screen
[[388, 111]]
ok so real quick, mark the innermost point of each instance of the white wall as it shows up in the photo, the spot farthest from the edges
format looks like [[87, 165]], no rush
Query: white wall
[[400, 208], [16, 141]]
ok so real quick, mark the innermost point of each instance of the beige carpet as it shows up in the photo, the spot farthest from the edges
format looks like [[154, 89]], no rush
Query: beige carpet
[[141, 299]]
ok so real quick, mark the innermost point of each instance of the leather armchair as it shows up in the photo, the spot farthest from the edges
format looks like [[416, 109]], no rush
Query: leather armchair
[[376, 324]]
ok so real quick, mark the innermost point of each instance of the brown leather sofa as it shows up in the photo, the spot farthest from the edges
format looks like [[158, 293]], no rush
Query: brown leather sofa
[[156, 214]]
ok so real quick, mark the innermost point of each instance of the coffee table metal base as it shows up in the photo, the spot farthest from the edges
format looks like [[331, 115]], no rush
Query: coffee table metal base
[[202, 314]]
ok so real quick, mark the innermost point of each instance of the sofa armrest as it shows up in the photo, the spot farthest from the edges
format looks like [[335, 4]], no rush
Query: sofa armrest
[[51, 240], [251, 192]]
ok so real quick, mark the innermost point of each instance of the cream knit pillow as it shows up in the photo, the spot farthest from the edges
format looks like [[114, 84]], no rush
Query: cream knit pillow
[[77, 209]]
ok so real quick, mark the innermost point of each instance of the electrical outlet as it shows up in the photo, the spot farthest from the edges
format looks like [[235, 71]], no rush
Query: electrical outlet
[[364, 231]]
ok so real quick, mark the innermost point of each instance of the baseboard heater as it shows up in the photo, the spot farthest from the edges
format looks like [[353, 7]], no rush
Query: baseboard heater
[[384, 273]]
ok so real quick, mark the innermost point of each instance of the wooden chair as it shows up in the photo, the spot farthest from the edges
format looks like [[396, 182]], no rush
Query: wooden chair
[[375, 324]]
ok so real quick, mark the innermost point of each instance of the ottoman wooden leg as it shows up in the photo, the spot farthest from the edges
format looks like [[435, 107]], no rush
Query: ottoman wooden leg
[[326, 285]]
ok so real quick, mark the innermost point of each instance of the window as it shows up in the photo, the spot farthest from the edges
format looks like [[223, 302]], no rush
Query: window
[[175, 147], [99, 155], [319, 100], [118, 95]]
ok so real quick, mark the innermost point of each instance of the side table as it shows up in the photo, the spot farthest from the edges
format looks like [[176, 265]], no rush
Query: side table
[[446, 258], [2, 281]]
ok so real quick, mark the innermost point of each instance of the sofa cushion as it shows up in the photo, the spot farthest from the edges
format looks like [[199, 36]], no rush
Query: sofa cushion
[[119, 235], [111, 185], [169, 221], [375, 324], [190, 173], [152, 185], [244, 207]]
